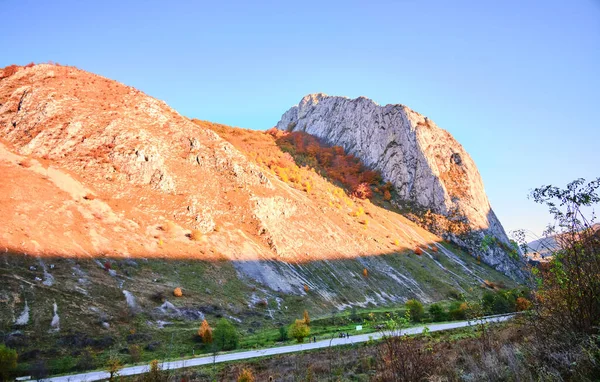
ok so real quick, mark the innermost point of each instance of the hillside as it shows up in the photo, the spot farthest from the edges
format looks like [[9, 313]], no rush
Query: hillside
[[111, 200]]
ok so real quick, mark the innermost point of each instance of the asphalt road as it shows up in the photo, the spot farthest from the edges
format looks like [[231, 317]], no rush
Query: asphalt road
[[207, 360]]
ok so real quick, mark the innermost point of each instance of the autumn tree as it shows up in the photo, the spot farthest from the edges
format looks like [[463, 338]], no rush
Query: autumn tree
[[205, 332], [568, 295], [299, 330], [306, 318]]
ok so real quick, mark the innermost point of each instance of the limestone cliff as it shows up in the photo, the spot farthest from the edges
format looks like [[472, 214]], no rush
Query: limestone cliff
[[426, 165]]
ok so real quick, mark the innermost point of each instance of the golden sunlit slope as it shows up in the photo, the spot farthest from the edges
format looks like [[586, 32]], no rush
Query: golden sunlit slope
[[99, 173]]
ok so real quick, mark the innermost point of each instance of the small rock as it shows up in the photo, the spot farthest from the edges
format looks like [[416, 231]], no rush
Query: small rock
[[106, 325]]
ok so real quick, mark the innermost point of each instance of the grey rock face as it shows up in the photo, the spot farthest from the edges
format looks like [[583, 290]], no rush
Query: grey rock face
[[426, 165]]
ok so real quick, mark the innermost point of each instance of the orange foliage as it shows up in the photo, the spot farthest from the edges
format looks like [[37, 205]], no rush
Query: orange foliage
[[363, 191], [10, 70], [418, 251], [365, 272], [306, 289], [522, 304], [333, 161], [205, 332], [177, 292]]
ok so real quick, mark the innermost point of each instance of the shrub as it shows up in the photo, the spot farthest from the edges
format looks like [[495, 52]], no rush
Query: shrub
[[365, 272], [306, 288], [25, 163], [154, 374], [306, 318], [437, 313], [299, 330], [363, 191], [8, 362], [177, 292], [283, 333], [196, 235], [246, 376], [135, 352], [9, 71], [225, 336], [86, 360], [205, 332], [415, 310], [418, 251], [567, 302], [522, 304], [158, 297], [403, 358], [113, 366], [169, 227], [458, 310]]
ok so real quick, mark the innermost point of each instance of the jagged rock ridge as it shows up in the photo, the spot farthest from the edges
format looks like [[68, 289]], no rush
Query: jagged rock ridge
[[426, 165]]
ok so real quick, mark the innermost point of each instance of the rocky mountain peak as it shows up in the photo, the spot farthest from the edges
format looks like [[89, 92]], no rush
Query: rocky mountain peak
[[429, 169]]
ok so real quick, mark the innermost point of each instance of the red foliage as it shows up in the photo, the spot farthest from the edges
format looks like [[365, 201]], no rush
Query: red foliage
[[10, 70], [418, 251], [363, 191], [340, 167]]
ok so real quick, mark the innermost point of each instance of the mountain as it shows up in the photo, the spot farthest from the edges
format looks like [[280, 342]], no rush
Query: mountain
[[111, 200], [429, 169]]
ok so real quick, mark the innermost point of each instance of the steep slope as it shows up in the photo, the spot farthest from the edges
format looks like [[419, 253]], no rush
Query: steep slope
[[111, 200], [426, 165]]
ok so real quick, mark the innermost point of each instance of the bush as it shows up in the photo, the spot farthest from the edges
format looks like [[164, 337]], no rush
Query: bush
[[205, 333], [8, 362], [154, 374], [246, 376], [522, 304], [158, 297], [458, 310], [283, 334], [415, 310], [86, 360], [306, 318], [177, 292], [196, 235], [9, 71], [135, 352], [437, 313], [299, 330], [113, 367], [225, 336]]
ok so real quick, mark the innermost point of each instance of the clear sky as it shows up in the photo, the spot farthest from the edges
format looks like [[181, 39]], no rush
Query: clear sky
[[517, 82]]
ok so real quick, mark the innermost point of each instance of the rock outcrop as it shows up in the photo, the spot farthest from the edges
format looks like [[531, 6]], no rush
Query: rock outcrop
[[426, 165]]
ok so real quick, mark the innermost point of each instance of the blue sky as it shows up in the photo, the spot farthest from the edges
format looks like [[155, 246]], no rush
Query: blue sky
[[516, 82]]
